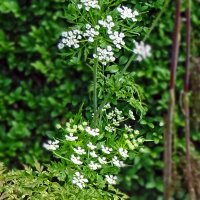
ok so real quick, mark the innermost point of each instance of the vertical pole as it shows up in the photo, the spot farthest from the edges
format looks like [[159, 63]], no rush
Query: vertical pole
[[170, 115], [186, 104]]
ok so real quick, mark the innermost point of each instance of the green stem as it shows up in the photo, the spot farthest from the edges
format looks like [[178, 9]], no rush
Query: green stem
[[95, 93], [155, 22]]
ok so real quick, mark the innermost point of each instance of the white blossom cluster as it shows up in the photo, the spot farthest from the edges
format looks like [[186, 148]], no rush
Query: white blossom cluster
[[107, 23], [92, 132], [117, 39], [111, 179], [88, 149], [127, 13], [115, 117], [79, 180], [51, 145], [117, 162], [91, 32], [105, 55], [70, 39], [89, 4], [141, 50]]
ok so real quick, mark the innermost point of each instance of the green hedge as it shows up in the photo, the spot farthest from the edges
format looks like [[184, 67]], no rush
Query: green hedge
[[37, 88]]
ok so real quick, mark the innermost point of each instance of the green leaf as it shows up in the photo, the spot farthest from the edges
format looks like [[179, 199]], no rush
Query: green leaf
[[112, 69]]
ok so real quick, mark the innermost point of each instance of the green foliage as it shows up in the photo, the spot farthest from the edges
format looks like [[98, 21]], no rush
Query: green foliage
[[43, 184], [37, 88]]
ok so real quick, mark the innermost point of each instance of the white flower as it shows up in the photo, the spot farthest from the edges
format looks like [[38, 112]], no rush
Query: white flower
[[58, 126], [91, 146], [117, 39], [141, 50], [80, 127], [90, 4], [102, 160], [112, 180], [70, 39], [79, 151], [51, 145], [128, 128], [93, 154], [110, 128], [105, 149], [105, 55], [71, 137], [107, 23], [117, 162], [79, 180], [127, 13], [136, 132], [61, 45], [92, 132], [131, 115], [90, 33], [94, 166], [107, 106], [76, 160], [79, 6], [123, 152]]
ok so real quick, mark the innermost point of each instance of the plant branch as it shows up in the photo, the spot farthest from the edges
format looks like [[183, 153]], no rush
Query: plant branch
[[186, 104], [170, 115]]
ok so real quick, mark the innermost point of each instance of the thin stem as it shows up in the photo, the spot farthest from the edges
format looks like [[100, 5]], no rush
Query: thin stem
[[170, 115], [186, 104], [95, 92]]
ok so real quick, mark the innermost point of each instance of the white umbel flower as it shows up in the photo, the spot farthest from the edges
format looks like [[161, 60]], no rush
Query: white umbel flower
[[91, 146], [93, 154], [107, 23], [94, 166], [117, 162], [51, 145], [79, 151], [128, 128], [105, 149], [76, 160], [90, 33], [92, 132], [127, 13], [123, 152], [102, 160], [79, 180], [131, 115], [141, 50], [89, 4], [71, 137], [117, 39], [70, 39], [105, 55], [110, 128], [111, 179]]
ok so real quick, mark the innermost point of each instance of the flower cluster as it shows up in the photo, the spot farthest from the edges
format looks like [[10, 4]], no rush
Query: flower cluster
[[51, 145], [79, 180], [70, 39], [111, 179], [91, 32], [91, 149], [107, 23], [89, 4], [105, 55], [117, 39], [115, 117], [142, 50], [127, 13]]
